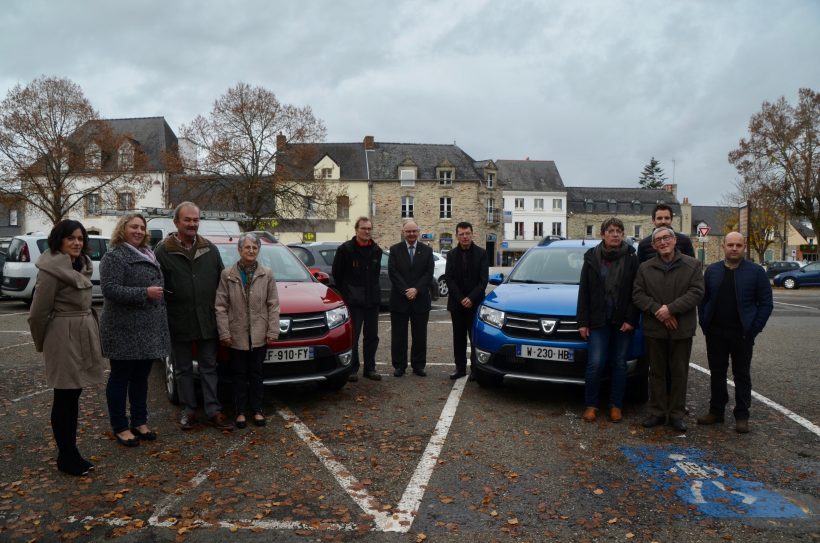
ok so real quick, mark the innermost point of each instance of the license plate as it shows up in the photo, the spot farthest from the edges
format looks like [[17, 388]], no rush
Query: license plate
[[293, 354], [553, 354]]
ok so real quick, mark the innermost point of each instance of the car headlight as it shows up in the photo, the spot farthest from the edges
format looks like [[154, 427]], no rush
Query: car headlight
[[336, 317], [491, 316]]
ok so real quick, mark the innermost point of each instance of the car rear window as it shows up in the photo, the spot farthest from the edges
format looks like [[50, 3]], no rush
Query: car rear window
[[303, 255], [15, 247], [328, 255]]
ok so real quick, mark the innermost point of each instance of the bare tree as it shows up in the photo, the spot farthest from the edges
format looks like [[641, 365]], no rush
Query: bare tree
[[782, 154], [768, 212], [54, 151], [244, 164]]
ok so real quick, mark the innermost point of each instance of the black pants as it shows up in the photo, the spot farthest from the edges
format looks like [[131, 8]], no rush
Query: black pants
[[247, 379], [398, 339], [64, 414], [721, 345], [365, 319], [128, 380], [462, 329]]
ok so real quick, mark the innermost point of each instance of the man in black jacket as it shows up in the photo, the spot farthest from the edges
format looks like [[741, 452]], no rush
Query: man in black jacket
[[356, 272], [662, 216], [411, 273], [467, 273]]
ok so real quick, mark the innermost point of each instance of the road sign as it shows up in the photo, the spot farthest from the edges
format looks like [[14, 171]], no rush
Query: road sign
[[703, 230]]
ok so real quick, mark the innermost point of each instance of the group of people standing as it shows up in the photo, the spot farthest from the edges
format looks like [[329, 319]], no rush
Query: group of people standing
[[663, 284]]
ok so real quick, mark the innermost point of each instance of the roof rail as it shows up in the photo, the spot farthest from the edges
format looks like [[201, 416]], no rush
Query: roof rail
[[263, 234]]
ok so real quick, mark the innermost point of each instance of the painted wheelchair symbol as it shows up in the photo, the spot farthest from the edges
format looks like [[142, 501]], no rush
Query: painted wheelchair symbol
[[704, 473]]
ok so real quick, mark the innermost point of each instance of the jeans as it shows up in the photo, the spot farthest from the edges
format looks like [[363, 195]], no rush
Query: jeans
[[184, 373], [606, 346], [366, 318], [128, 378], [719, 347], [247, 378]]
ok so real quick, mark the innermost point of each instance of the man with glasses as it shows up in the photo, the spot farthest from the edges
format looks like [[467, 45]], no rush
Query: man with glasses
[[668, 289], [662, 216]]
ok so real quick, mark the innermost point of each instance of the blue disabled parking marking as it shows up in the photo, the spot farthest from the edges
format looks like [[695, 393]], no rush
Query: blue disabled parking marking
[[715, 489]]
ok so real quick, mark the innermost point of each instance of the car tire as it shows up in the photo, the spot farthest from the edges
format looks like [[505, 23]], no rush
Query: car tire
[[443, 289], [335, 382], [789, 283], [171, 388], [487, 380], [637, 388]]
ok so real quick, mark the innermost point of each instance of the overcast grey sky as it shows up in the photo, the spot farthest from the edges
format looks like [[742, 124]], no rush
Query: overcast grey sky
[[597, 86]]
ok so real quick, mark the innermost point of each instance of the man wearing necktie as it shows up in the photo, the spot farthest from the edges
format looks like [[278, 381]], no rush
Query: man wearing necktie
[[410, 267]]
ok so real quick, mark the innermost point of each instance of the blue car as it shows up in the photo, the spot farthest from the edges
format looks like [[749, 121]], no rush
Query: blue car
[[527, 330], [807, 276]]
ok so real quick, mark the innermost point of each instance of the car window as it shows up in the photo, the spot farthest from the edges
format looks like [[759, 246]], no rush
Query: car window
[[96, 248], [303, 255], [42, 245], [328, 255], [813, 267], [550, 266], [15, 247], [285, 265]]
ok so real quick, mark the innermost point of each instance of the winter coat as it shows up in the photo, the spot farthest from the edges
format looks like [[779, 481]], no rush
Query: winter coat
[[466, 283], [356, 273], [683, 244], [679, 287], [63, 323], [592, 293], [753, 293], [190, 288], [132, 326], [232, 308]]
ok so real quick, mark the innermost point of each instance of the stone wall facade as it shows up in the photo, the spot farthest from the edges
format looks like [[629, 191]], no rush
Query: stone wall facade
[[577, 224]]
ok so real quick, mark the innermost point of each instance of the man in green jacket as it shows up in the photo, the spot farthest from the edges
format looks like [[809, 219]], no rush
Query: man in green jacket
[[668, 289], [191, 265]]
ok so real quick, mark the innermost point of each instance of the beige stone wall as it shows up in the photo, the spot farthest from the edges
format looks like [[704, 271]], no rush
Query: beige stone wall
[[577, 222]]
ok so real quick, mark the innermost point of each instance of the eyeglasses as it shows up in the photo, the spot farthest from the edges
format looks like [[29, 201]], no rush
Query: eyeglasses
[[664, 239]]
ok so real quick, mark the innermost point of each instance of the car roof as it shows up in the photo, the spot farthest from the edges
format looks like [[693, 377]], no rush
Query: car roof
[[317, 244], [225, 240], [567, 244], [42, 235]]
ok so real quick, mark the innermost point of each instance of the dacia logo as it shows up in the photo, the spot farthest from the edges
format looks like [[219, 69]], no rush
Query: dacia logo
[[548, 325], [284, 326]]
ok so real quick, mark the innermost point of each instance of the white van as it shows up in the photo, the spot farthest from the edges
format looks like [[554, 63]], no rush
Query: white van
[[160, 227]]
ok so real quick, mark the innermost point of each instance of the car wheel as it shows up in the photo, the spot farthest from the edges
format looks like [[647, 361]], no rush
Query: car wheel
[[442, 287], [335, 383], [171, 389], [789, 283], [487, 380]]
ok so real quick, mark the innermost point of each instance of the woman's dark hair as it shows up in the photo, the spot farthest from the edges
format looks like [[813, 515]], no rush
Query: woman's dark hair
[[62, 230]]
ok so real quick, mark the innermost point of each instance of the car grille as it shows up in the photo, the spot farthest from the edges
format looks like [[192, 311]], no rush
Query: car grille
[[305, 326], [524, 325]]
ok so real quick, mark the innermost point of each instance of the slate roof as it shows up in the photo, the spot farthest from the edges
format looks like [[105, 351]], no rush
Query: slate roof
[[385, 158], [803, 229], [719, 218], [154, 136], [624, 197], [349, 156], [530, 175]]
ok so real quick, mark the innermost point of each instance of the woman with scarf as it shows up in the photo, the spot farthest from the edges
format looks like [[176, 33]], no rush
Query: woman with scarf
[[247, 318], [64, 328], [606, 315], [133, 326]]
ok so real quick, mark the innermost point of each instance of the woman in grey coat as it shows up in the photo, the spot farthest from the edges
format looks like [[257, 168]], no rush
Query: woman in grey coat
[[133, 327], [64, 328]]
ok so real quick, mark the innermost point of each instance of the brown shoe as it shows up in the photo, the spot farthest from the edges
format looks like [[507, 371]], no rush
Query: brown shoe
[[187, 421], [615, 414], [589, 414], [221, 422], [710, 418], [742, 426]]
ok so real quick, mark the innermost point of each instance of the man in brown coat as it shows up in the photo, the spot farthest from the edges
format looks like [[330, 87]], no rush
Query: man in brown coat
[[668, 289]]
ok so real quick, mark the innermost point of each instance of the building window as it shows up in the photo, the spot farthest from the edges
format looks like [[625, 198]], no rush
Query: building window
[[557, 204], [343, 208], [445, 178], [538, 230], [491, 212], [327, 173], [13, 217], [636, 206], [556, 229], [92, 204], [311, 207], [126, 156], [406, 207], [612, 205], [589, 205], [519, 230], [538, 204], [445, 208], [490, 180], [93, 157], [589, 231], [637, 232], [125, 201], [519, 204], [408, 178]]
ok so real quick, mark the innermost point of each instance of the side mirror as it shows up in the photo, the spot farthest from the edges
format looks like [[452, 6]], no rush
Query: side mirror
[[320, 276], [496, 279]]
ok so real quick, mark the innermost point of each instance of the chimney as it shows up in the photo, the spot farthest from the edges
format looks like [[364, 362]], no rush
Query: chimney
[[281, 142], [369, 143]]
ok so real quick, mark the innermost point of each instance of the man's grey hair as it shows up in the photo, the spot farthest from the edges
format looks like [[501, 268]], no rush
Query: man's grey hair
[[182, 206], [248, 236], [661, 229]]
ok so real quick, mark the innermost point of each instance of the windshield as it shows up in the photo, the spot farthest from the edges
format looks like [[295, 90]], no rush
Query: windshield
[[550, 266], [285, 265]]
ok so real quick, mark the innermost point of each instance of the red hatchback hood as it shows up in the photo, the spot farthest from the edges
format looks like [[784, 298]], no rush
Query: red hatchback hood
[[306, 297]]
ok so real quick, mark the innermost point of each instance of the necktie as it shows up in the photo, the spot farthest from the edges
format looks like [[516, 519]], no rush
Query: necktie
[[412, 253]]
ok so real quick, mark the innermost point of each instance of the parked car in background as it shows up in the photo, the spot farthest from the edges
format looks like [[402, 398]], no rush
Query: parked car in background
[[20, 273], [439, 265], [807, 276], [546, 240], [527, 329], [315, 333], [780, 266], [318, 255], [385, 285]]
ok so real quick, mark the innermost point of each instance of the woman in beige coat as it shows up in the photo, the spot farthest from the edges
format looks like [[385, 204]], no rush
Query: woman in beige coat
[[247, 317], [64, 328]]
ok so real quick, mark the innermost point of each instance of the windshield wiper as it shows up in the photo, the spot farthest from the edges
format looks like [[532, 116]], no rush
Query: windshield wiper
[[526, 281]]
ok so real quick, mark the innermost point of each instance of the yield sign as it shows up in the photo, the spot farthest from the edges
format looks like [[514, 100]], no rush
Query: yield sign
[[703, 230]]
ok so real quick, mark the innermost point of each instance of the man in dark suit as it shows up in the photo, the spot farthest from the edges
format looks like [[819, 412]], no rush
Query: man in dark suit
[[410, 267], [662, 216], [467, 273]]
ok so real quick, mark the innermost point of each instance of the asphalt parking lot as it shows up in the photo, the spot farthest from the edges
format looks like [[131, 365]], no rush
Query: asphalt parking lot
[[426, 459]]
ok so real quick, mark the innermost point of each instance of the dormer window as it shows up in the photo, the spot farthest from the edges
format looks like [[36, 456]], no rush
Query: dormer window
[[93, 156], [407, 177], [445, 177], [612, 205], [636, 206], [325, 173], [490, 180], [125, 156], [589, 205]]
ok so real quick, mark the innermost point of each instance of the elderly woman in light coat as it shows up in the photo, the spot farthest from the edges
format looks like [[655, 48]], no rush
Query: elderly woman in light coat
[[134, 326], [247, 318], [64, 328]]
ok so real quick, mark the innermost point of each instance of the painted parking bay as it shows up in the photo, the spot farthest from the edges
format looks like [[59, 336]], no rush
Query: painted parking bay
[[717, 490]]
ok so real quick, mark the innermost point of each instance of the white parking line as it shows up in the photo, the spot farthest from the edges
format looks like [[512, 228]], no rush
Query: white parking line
[[15, 332], [13, 314], [17, 345], [796, 305], [33, 394], [810, 426]]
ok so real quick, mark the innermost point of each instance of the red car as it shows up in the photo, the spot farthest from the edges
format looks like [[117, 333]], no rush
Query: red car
[[315, 333]]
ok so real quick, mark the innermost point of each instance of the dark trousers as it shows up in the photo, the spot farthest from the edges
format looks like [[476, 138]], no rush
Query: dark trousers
[[462, 329], [398, 339], [247, 378], [365, 323], [721, 345], [672, 356], [64, 414], [128, 379], [184, 373]]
